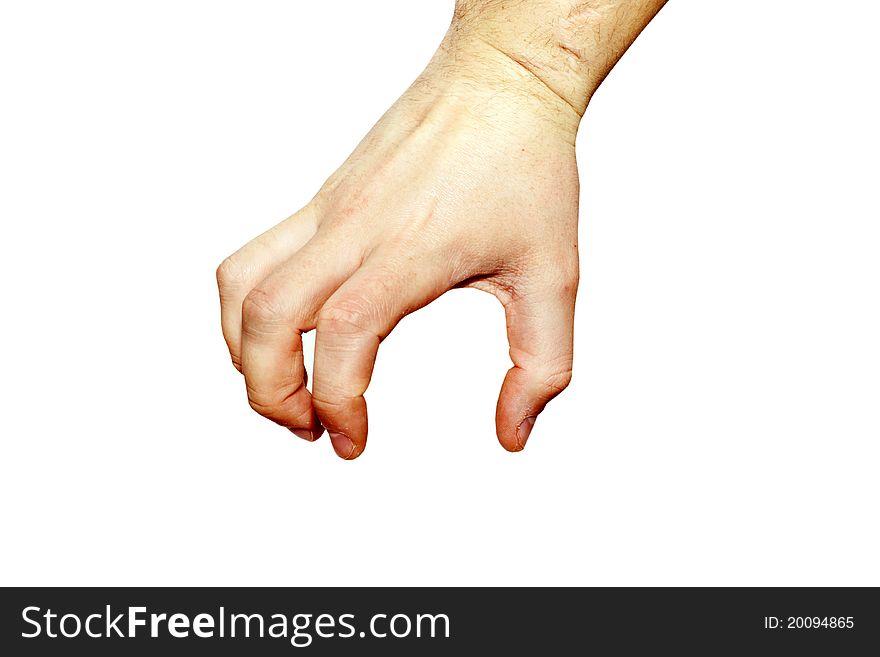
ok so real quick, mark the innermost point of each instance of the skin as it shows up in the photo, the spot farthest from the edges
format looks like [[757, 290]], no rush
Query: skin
[[469, 180]]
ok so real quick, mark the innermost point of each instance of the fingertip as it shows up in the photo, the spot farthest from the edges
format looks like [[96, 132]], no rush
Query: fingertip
[[513, 437], [523, 431], [510, 434], [345, 447], [305, 434], [346, 423], [512, 413], [311, 431], [512, 448]]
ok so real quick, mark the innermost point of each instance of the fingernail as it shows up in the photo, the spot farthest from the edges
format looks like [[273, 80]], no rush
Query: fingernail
[[305, 434], [523, 431], [342, 444]]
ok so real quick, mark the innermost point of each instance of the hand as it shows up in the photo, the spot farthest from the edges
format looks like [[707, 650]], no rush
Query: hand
[[469, 180]]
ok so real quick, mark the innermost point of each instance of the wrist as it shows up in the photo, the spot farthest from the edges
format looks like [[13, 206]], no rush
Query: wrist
[[542, 39], [569, 46], [502, 86], [493, 88]]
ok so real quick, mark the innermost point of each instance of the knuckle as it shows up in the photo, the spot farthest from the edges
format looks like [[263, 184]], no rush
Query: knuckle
[[568, 289], [572, 274], [568, 278], [230, 274], [345, 316], [266, 405], [557, 379], [330, 401], [264, 408], [283, 408], [559, 281], [260, 307]]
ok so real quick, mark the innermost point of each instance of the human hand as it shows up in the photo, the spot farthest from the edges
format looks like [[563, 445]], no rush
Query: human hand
[[469, 180]]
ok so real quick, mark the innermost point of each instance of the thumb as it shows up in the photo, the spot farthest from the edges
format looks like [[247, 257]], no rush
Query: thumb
[[540, 329]]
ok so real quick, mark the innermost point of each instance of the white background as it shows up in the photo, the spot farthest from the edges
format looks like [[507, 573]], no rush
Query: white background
[[723, 422]]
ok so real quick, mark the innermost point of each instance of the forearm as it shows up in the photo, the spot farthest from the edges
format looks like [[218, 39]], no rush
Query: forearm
[[569, 45]]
